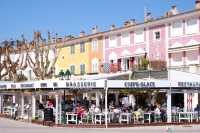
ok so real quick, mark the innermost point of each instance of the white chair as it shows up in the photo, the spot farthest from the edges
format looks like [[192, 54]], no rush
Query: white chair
[[138, 117], [147, 117], [84, 118], [125, 117], [99, 118]]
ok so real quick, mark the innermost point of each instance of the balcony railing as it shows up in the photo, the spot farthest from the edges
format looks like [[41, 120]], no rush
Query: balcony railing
[[145, 74], [193, 68]]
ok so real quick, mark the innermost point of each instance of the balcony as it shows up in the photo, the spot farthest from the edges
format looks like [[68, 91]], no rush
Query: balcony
[[149, 74], [193, 68]]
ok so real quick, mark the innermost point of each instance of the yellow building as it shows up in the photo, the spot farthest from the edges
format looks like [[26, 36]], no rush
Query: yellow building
[[81, 55]]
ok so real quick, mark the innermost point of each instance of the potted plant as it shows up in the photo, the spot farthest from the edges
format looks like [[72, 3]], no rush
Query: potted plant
[[67, 74], [61, 74]]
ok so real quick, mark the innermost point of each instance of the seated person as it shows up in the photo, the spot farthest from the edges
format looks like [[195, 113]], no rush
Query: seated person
[[97, 110], [197, 109], [157, 110], [117, 110], [139, 113], [92, 108], [157, 113], [79, 110]]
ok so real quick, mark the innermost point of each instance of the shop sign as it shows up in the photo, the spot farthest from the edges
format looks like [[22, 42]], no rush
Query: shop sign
[[81, 84], [27, 85], [3, 86], [55, 84], [188, 84], [13, 86], [139, 84], [43, 85]]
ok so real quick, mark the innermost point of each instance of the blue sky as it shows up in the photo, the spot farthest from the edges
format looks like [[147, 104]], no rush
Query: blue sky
[[71, 16]]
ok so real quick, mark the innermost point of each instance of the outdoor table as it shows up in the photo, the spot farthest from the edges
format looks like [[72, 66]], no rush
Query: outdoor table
[[147, 117], [71, 117], [98, 118], [125, 117], [187, 116]]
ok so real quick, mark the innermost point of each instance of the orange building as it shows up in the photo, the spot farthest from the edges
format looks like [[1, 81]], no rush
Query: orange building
[[96, 55]]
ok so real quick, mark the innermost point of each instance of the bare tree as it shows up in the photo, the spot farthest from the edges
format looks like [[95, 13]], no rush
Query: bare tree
[[42, 56], [3, 72], [9, 66]]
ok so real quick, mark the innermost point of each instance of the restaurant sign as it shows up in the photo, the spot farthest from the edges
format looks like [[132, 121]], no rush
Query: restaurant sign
[[27, 85], [3, 86], [85, 84], [188, 84], [137, 84]]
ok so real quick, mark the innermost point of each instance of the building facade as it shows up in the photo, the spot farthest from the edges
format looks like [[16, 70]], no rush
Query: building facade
[[81, 55], [173, 39]]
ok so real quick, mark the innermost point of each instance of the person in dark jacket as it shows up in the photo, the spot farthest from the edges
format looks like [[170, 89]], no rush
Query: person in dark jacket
[[197, 109]]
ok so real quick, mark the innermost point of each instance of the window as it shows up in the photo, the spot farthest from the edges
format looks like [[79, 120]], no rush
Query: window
[[112, 41], [95, 65], [125, 38], [157, 35], [94, 45], [82, 47], [139, 36], [191, 26], [82, 69], [72, 49], [177, 57], [177, 29], [72, 69], [192, 56]]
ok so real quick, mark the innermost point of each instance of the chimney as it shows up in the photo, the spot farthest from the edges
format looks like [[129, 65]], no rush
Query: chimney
[[68, 37], [197, 4], [129, 22], [95, 29], [132, 22], [126, 23], [148, 17], [82, 34], [174, 10], [59, 40], [112, 27], [54, 40]]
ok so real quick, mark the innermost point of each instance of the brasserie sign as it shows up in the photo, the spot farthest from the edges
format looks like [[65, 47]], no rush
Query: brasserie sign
[[81, 84]]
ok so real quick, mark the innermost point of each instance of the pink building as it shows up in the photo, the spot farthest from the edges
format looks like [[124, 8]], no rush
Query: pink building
[[174, 39]]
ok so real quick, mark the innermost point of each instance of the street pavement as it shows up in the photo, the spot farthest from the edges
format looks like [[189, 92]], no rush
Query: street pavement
[[11, 126]]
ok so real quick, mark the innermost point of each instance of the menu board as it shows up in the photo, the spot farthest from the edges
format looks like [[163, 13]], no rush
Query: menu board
[[48, 114]]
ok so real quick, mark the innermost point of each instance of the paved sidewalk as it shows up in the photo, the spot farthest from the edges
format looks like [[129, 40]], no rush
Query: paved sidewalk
[[11, 126]]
